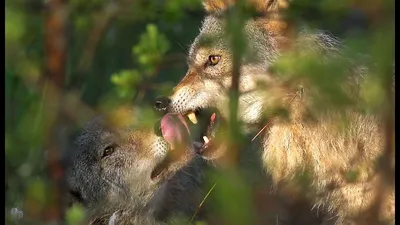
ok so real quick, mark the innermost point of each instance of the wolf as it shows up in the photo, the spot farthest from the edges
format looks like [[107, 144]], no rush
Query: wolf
[[123, 174], [304, 143]]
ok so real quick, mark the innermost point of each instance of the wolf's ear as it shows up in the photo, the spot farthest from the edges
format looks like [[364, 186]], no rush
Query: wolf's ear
[[261, 6], [276, 24], [272, 19]]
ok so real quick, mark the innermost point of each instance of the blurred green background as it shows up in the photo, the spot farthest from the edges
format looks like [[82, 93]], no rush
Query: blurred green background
[[119, 52]]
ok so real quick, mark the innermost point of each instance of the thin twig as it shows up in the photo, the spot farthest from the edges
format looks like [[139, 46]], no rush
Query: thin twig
[[55, 54], [202, 202], [262, 129], [236, 35], [270, 122]]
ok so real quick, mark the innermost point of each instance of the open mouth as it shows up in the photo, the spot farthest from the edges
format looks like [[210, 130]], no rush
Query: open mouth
[[194, 130], [204, 125]]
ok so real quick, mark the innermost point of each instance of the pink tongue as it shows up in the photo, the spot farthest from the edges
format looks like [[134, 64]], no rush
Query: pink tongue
[[175, 130]]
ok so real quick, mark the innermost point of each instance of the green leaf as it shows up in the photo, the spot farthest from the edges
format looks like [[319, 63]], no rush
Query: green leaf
[[126, 78], [151, 48], [75, 214]]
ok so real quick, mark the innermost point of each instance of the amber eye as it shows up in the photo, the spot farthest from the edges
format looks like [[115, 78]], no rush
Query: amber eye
[[109, 150], [214, 60]]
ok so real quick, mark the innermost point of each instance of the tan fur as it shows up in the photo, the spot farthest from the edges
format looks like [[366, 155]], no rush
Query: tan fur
[[328, 149], [323, 147], [327, 152], [274, 23], [212, 6]]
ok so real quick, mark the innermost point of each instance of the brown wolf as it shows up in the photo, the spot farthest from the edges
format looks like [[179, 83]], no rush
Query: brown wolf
[[127, 175], [289, 146]]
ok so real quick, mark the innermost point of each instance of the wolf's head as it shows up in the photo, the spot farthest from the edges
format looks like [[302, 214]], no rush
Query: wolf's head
[[123, 165], [208, 80], [209, 76]]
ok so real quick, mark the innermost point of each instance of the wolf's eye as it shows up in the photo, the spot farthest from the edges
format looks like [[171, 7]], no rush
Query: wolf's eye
[[109, 150], [213, 60]]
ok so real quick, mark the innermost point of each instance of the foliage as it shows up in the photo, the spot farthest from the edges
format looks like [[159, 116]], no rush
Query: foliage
[[138, 55], [149, 53]]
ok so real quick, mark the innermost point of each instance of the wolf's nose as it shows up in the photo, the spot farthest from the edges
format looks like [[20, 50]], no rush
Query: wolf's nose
[[162, 103]]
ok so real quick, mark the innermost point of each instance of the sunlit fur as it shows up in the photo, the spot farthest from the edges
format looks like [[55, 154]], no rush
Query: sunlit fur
[[318, 146]]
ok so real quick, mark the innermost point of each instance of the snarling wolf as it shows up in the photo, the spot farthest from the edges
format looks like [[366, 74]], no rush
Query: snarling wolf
[[126, 175], [305, 143]]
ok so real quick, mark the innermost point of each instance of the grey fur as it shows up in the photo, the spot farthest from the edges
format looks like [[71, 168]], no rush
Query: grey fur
[[119, 186]]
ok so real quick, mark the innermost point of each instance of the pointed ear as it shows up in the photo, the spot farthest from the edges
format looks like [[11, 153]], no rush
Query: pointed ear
[[276, 24], [272, 20]]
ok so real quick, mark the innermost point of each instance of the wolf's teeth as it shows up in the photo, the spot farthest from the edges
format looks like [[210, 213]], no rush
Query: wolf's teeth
[[192, 117], [206, 140]]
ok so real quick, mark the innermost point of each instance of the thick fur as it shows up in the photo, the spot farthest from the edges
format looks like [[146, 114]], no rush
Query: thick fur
[[119, 187], [294, 145]]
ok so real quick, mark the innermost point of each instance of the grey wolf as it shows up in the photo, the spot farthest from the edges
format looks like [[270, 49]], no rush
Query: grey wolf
[[289, 146], [122, 174]]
